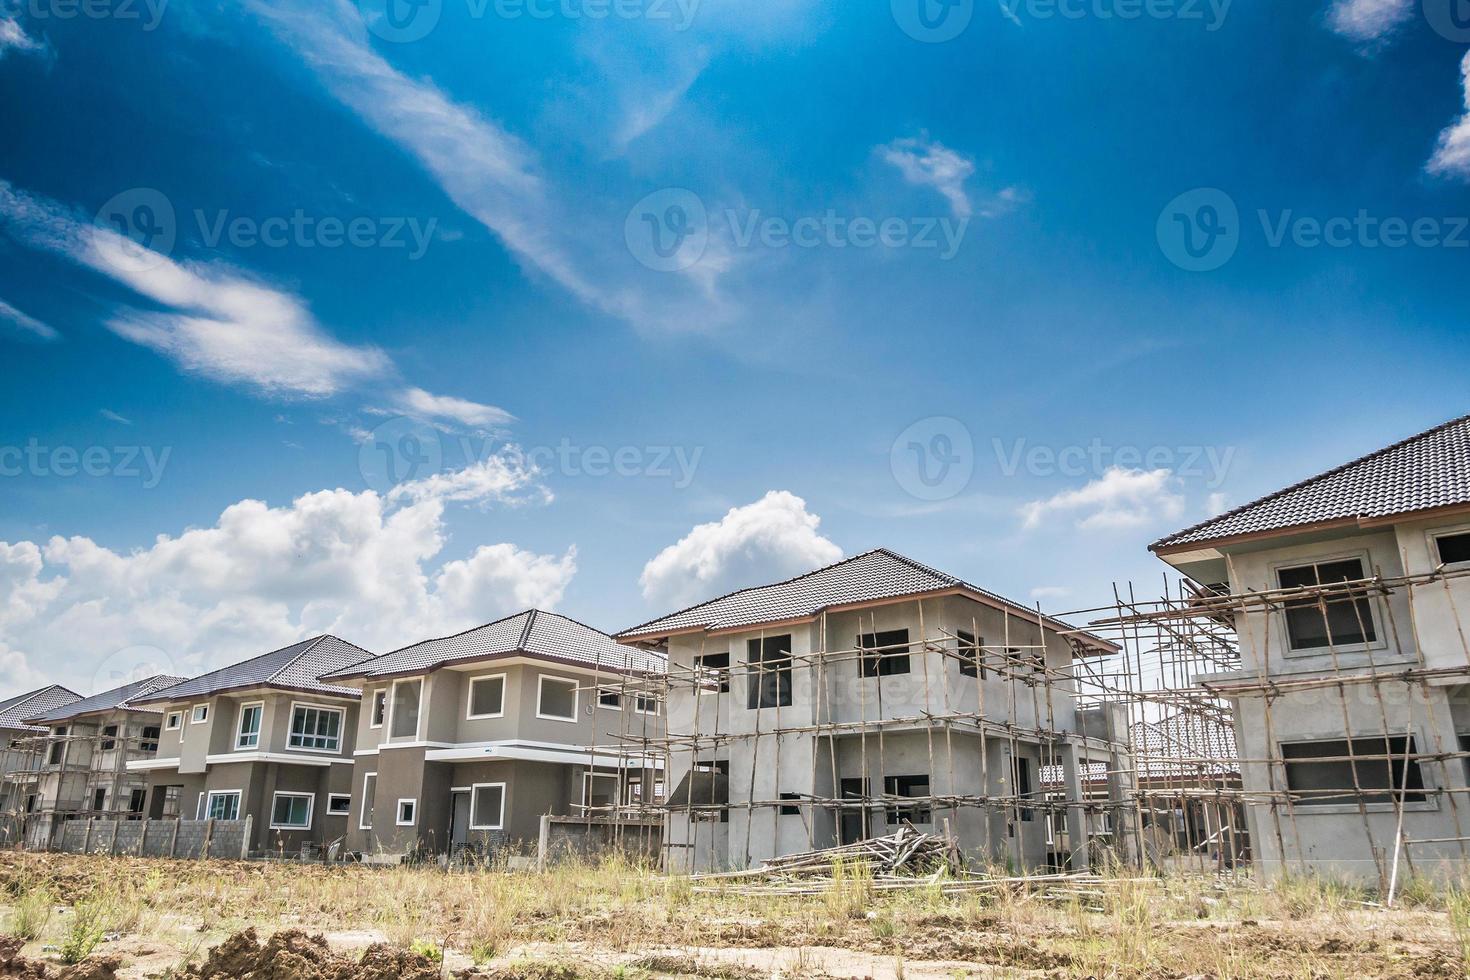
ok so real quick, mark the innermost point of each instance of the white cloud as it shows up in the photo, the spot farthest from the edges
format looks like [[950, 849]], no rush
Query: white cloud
[[502, 478], [27, 324], [429, 407], [771, 539], [1369, 20], [1217, 504], [931, 164], [1119, 498], [112, 416], [1452, 155], [354, 564], [220, 323], [13, 37]]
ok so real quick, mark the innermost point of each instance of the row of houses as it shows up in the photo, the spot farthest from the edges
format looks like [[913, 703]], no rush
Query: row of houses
[[838, 704]]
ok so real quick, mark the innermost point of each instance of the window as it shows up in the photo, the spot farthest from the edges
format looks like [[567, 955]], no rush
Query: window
[[315, 728], [405, 709], [1321, 773], [609, 699], [911, 786], [1454, 549], [1346, 621], [768, 684], [174, 722], [248, 736], [339, 804], [721, 766], [109, 738], [291, 811], [223, 805], [407, 812], [1021, 770], [487, 806], [137, 799], [645, 704], [150, 739], [790, 811], [487, 697], [972, 658], [379, 709], [884, 654], [172, 804], [99, 800], [58, 749], [718, 665], [199, 715], [556, 698], [369, 789]]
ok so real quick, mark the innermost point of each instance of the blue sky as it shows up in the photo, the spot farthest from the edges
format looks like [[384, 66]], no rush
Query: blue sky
[[647, 306]]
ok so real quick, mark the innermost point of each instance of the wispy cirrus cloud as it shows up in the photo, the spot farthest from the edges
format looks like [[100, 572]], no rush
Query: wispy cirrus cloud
[[26, 324], [14, 38], [1369, 21], [1120, 498], [446, 408]]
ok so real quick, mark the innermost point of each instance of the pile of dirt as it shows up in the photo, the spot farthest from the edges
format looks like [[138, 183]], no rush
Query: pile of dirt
[[295, 955], [12, 964]]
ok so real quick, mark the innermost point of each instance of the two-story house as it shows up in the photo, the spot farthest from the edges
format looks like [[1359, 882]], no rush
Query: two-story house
[[836, 705], [1349, 593], [22, 747], [265, 739], [84, 769], [468, 740]]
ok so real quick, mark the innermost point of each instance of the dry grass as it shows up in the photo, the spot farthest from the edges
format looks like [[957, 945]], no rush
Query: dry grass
[[616, 920]]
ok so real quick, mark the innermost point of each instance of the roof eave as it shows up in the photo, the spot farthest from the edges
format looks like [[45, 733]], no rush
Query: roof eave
[[1163, 547]]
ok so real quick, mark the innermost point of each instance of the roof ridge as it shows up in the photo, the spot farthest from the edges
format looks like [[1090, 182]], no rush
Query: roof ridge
[[1233, 512], [311, 644], [447, 636], [526, 630]]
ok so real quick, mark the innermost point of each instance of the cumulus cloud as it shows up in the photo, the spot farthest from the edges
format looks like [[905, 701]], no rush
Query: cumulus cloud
[[27, 325], [773, 538], [932, 164], [360, 565], [1368, 20], [1119, 498], [1452, 155]]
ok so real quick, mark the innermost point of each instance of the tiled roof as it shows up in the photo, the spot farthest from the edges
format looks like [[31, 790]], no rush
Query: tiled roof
[[117, 699], [297, 667], [531, 633], [14, 711], [1428, 470], [1180, 747], [877, 574]]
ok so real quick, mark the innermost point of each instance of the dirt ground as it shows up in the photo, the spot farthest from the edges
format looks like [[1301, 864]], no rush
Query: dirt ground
[[206, 920]]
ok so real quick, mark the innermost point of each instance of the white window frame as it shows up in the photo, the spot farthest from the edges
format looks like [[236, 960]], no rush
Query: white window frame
[[603, 692], [341, 714], [500, 821], [576, 697], [259, 725], [422, 682], [368, 799], [381, 692], [1446, 532], [645, 697], [398, 813], [333, 799], [310, 810], [469, 707], [239, 796], [173, 721], [194, 718], [587, 784]]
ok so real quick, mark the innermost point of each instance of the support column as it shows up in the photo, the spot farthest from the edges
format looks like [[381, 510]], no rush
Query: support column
[[1076, 814]]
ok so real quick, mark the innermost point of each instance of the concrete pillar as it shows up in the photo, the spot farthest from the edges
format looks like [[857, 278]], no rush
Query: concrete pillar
[[1076, 815]]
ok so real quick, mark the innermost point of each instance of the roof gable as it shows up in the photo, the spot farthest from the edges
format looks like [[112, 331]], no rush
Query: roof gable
[[1423, 472], [297, 667], [14, 711]]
